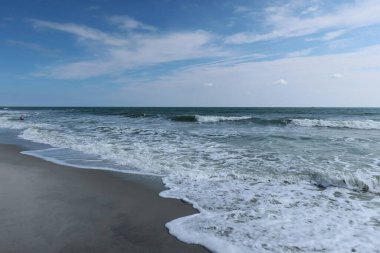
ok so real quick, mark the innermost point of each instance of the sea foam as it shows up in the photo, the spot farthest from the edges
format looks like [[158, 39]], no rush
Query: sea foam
[[356, 124], [209, 118], [258, 187]]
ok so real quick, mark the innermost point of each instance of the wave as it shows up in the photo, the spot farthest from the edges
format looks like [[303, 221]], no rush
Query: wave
[[354, 124], [185, 118], [112, 112], [352, 181], [136, 115], [215, 118], [209, 118], [234, 187], [12, 123]]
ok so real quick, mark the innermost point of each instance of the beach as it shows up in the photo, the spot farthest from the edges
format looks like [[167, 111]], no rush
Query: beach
[[47, 207]]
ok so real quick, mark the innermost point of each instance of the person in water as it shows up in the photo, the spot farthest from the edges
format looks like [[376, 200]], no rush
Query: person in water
[[21, 117]]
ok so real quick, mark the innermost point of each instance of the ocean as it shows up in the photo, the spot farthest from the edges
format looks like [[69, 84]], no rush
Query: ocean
[[263, 179]]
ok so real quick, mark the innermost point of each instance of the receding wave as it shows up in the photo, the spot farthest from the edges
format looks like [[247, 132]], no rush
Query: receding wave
[[354, 124]]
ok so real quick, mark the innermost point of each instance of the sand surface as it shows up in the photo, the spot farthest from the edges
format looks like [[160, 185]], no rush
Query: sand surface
[[46, 207]]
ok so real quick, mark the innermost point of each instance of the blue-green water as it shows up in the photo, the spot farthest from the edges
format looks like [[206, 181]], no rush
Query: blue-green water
[[264, 179]]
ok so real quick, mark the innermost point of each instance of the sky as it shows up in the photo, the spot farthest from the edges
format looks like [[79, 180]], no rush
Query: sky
[[190, 53]]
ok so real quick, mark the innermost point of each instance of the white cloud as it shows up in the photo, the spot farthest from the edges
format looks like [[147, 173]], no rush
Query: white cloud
[[281, 82], [208, 84], [116, 53], [286, 24], [146, 51], [330, 37], [31, 46], [81, 31], [336, 76], [128, 23], [334, 34], [340, 43], [93, 8], [309, 10], [241, 9], [300, 53], [251, 83]]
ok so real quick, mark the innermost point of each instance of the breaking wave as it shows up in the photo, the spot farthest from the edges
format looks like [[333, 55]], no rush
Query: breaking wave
[[354, 124], [352, 181], [208, 119], [257, 187], [215, 119]]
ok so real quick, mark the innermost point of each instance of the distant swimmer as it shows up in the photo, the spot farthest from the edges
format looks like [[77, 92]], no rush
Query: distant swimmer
[[21, 117]]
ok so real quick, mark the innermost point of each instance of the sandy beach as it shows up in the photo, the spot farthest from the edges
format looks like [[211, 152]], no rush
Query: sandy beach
[[47, 207]]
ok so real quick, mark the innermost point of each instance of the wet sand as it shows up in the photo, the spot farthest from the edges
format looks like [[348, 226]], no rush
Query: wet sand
[[45, 207]]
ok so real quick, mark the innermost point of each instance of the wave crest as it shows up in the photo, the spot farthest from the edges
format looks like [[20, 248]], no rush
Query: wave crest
[[209, 118], [364, 183], [355, 124]]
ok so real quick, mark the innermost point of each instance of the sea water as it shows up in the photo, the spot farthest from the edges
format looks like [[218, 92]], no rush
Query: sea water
[[263, 179]]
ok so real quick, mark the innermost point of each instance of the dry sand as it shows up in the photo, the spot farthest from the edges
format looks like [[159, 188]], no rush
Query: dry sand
[[45, 207]]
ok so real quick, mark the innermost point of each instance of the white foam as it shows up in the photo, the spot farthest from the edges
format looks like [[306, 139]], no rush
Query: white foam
[[180, 230], [212, 119], [358, 180], [5, 122], [261, 197], [277, 217], [356, 124], [239, 212], [40, 154], [11, 120]]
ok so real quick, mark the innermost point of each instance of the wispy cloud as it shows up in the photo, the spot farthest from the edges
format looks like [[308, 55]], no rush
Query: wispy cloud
[[31, 46], [208, 84], [93, 8], [330, 36], [121, 52], [336, 76], [286, 22], [251, 83], [146, 51], [300, 53], [129, 24], [241, 9], [334, 34], [309, 10], [81, 31], [281, 82]]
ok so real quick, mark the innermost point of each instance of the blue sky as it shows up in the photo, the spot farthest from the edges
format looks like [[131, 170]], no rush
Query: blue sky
[[190, 53]]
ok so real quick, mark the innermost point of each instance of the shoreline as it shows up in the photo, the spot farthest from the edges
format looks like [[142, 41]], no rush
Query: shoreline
[[47, 207]]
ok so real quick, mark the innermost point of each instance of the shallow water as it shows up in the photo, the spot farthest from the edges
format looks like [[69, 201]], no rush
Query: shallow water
[[264, 179]]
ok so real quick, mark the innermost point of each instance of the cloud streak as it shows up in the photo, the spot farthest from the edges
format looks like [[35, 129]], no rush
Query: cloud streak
[[31, 46], [81, 31], [286, 23], [129, 51], [281, 82], [146, 51], [252, 84], [130, 24]]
